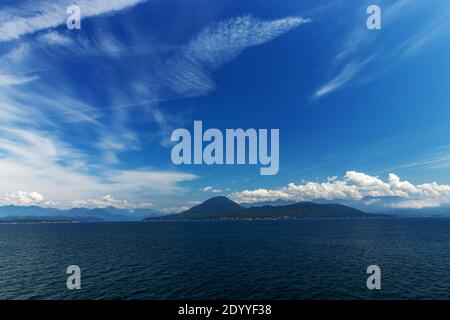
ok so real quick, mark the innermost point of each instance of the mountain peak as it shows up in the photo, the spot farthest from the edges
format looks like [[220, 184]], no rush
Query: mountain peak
[[219, 199], [212, 207]]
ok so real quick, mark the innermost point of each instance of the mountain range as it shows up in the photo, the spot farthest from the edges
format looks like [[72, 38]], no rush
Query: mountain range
[[35, 213], [222, 208]]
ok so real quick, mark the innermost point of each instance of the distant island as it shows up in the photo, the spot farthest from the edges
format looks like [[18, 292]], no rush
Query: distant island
[[222, 208]]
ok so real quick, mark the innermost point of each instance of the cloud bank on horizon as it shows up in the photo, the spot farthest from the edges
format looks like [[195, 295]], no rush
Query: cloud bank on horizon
[[355, 186]]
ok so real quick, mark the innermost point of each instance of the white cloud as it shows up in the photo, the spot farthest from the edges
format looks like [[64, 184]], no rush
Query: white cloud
[[188, 73], [22, 198], [34, 17], [103, 202], [37, 125], [27, 198], [355, 186], [360, 46], [260, 195], [55, 38], [10, 80], [439, 158], [343, 78], [417, 204], [218, 44], [33, 160], [211, 189], [434, 30], [35, 153], [174, 209]]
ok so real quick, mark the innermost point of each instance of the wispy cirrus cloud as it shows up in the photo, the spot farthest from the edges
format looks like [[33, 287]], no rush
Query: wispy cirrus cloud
[[434, 30], [438, 158], [36, 162], [63, 138], [10, 80], [32, 16], [362, 48], [347, 74], [189, 72]]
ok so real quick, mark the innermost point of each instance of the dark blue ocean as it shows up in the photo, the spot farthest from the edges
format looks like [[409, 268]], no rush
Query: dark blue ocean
[[303, 259]]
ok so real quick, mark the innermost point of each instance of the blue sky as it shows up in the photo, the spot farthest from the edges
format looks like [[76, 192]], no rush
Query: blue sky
[[86, 115]]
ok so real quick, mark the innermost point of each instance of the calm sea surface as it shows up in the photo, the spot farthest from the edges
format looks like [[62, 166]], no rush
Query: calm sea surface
[[304, 259]]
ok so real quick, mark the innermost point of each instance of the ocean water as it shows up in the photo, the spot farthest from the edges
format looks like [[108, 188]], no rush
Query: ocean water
[[303, 259]]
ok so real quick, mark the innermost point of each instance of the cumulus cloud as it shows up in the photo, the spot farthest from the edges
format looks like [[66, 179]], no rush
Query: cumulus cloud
[[211, 189], [22, 198], [260, 195], [355, 186]]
